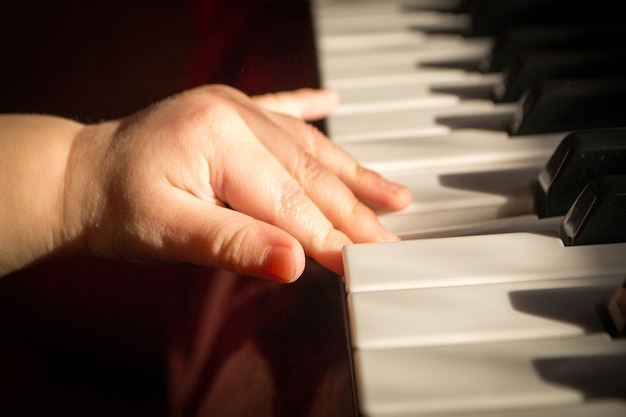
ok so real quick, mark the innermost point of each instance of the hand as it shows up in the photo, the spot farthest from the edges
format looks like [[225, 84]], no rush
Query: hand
[[215, 178]]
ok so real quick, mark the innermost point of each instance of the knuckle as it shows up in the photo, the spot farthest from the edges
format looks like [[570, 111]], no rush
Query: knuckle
[[232, 247], [210, 102], [362, 213], [310, 170], [292, 199], [350, 210], [324, 238], [363, 176], [312, 139], [219, 90]]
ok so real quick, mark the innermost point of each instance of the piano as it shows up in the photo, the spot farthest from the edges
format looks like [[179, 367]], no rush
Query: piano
[[492, 304], [482, 326]]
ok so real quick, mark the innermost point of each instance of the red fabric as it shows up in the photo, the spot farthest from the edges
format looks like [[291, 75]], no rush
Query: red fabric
[[257, 46]]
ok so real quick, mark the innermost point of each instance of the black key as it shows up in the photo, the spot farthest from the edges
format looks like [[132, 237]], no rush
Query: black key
[[579, 158], [517, 41], [490, 17], [613, 313], [598, 215], [530, 69], [449, 6], [569, 105]]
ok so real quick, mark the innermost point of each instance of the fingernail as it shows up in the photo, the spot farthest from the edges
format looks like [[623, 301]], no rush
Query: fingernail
[[387, 235], [397, 188], [401, 194], [280, 264]]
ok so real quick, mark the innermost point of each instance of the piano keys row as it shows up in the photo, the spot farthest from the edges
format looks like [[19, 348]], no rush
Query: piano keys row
[[487, 308], [423, 136], [500, 323]]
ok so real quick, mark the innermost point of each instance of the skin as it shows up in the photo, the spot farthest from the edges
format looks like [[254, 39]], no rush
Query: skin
[[209, 176]]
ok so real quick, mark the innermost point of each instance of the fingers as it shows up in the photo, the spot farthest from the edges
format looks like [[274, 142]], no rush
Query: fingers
[[306, 103], [302, 150], [270, 193], [368, 186], [209, 235], [330, 194]]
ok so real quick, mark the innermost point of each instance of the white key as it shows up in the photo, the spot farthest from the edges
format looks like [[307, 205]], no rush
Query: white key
[[458, 148], [600, 408], [474, 260], [479, 313], [487, 377], [391, 93], [347, 8], [410, 96], [523, 223], [366, 15], [401, 47], [409, 71], [400, 41], [388, 20], [325, 9], [427, 77], [446, 198], [411, 122]]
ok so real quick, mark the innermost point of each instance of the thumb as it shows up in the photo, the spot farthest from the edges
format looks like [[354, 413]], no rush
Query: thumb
[[209, 235], [305, 103]]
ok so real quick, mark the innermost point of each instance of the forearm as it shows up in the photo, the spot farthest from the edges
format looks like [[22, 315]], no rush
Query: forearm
[[33, 155]]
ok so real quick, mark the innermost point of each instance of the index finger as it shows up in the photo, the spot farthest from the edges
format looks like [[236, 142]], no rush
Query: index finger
[[306, 103]]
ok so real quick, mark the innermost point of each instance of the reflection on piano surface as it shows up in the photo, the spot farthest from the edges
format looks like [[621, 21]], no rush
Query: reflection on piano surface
[[490, 306]]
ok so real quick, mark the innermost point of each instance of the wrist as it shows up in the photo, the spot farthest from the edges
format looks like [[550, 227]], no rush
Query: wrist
[[34, 151]]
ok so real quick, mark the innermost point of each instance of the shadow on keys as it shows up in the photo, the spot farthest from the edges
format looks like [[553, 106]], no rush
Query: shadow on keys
[[573, 305], [595, 377], [512, 184], [599, 377]]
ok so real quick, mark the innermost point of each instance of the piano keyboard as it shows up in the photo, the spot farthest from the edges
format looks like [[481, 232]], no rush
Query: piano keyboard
[[482, 309], [405, 120]]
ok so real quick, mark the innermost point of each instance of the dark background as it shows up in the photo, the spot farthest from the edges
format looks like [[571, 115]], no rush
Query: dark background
[[98, 59]]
